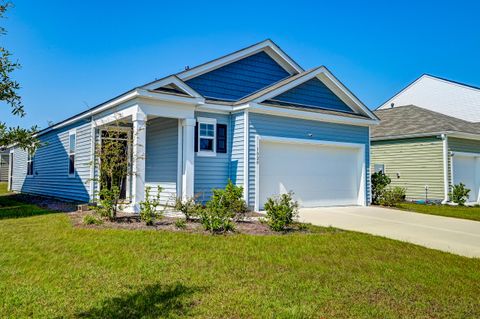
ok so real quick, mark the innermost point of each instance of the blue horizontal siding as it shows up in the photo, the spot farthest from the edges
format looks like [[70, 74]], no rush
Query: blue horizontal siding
[[237, 148], [240, 78], [313, 93], [267, 125], [212, 172], [162, 150], [50, 176]]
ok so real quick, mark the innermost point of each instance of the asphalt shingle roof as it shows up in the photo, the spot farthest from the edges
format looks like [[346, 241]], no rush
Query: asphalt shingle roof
[[411, 120]]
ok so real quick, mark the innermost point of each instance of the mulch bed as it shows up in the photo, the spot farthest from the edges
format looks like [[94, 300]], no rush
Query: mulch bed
[[252, 226]]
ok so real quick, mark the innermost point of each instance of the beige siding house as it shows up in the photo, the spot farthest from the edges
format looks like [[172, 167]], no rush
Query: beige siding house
[[426, 152]]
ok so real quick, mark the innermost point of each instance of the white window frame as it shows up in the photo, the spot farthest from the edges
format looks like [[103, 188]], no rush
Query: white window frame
[[30, 161], [384, 167], [70, 133], [208, 121]]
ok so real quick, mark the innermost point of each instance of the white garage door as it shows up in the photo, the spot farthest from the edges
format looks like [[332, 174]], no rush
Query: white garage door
[[319, 175], [466, 170]]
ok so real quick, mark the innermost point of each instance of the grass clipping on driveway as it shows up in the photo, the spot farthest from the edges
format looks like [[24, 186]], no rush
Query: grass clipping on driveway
[[51, 269]]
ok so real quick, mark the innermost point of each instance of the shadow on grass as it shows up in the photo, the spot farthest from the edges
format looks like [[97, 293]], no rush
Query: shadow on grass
[[21, 205], [152, 301]]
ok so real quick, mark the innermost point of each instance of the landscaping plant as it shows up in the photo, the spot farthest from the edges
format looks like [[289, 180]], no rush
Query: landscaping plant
[[281, 211], [181, 223], [188, 207], [148, 207], [92, 220], [392, 196], [459, 194], [108, 203], [380, 181], [225, 206]]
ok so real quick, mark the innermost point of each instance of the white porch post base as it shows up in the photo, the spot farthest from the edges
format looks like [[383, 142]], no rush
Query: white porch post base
[[188, 157], [138, 162]]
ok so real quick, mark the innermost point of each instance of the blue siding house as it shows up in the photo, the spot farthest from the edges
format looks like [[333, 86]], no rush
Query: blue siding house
[[253, 116]]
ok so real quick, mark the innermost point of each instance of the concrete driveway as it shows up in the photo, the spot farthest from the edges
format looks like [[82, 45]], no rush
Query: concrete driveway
[[453, 235]]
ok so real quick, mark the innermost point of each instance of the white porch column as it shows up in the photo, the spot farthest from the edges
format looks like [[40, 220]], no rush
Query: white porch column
[[138, 162], [188, 157]]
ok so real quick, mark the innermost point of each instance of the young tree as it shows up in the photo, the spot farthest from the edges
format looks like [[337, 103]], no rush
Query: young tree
[[9, 95]]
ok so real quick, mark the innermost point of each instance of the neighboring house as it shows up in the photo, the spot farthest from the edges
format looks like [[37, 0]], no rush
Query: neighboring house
[[253, 116], [4, 165], [419, 148], [440, 95]]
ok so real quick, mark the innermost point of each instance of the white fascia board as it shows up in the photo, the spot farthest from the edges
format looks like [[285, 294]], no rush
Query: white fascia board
[[100, 108], [357, 104], [324, 75], [172, 80], [215, 108], [278, 55], [136, 93], [314, 116], [170, 98]]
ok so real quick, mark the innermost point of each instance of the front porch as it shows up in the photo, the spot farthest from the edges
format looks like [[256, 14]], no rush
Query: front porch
[[160, 151]]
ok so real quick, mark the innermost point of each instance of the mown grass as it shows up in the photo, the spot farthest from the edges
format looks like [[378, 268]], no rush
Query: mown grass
[[10, 207], [50, 269], [465, 212]]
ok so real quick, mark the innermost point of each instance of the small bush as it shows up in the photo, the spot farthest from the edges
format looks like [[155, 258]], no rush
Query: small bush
[[281, 211], [229, 200], [188, 207], [392, 196], [108, 202], [459, 194], [225, 206], [148, 207], [181, 223], [380, 181], [91, 220]]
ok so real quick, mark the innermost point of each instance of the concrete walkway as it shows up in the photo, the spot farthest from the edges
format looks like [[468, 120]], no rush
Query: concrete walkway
[[458, 236]]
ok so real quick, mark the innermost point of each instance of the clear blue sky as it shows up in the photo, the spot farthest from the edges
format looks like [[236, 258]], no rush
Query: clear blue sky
[[76, 54]]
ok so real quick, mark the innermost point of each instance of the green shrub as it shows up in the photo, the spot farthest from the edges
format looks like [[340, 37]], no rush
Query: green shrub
[[380, 181], [230, 200], [92, 220], [459, 194], [108, 202], [181, 223], [392, 196], [148, 207], [281, 211], [225, 206], [188, 207]]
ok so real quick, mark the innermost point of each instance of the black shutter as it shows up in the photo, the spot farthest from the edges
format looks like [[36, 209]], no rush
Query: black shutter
[[196, 137], [221, 138]]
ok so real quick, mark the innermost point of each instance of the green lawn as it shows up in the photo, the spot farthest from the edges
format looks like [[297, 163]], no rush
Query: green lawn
[[50, 269], [3, 187], [464, 212]]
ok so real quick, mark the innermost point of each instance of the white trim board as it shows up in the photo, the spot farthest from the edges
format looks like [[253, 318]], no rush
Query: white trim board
[[362, 197]]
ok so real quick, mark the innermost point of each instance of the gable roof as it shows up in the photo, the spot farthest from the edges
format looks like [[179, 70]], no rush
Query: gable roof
[[440, 95], [411, 120], [267, 45], [321, 73], [174, 87]]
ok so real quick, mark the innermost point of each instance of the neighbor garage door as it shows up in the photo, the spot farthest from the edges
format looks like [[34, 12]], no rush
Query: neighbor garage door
[[319, 175], [466, 170]]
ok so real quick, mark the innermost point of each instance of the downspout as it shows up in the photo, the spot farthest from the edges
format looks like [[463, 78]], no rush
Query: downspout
[[445, 168]]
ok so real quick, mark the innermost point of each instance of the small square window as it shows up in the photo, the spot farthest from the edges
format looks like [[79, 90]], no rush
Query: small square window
[[379, 168], [206, 136]]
